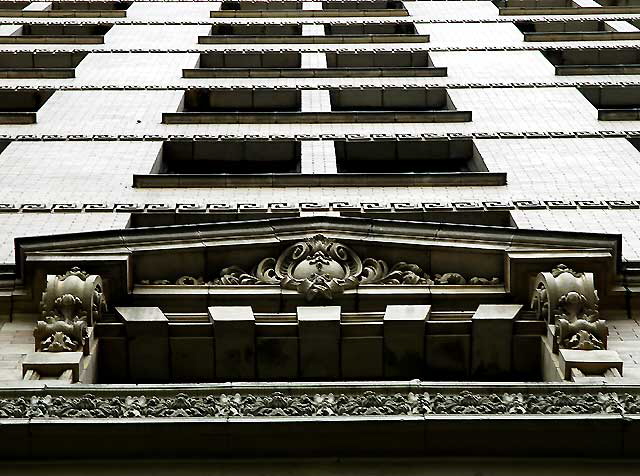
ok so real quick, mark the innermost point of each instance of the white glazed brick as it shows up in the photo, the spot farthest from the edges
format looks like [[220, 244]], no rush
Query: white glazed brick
[[448, 10], [313, 60], [312, 30], [38, 6], [318, 157], [315, 101]]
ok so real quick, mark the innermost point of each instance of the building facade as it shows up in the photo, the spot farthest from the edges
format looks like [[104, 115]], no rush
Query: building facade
[[350, 237]]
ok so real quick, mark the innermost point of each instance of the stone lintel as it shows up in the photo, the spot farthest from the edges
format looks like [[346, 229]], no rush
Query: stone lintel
[[589, 362], [491, 339], [147, 330], [235, 341], [319, 334], [404, 328]]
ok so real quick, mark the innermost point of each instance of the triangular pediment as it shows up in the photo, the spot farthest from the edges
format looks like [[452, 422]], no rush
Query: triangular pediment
[[361, 252]]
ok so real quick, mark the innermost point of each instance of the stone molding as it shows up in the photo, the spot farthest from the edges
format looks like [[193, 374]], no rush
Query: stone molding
[[372, 403], [323, 267], [283, 207], [566, 134], [326, 48], [570, 82], [416, 18]]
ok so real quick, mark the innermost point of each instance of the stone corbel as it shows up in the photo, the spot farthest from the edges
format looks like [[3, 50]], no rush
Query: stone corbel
[[71, 303], [568, 300]]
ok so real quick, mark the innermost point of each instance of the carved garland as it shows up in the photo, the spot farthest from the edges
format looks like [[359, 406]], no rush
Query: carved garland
[[70, 304], [569, 300], [322, 267], [367, 403]]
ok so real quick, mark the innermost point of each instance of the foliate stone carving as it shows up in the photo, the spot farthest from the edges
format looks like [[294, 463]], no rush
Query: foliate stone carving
[[568, 300], [322, 267], [278, 404], [70, 303]]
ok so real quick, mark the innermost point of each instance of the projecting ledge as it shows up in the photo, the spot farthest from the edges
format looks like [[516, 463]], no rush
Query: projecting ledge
[[320, 180], [333, 117]]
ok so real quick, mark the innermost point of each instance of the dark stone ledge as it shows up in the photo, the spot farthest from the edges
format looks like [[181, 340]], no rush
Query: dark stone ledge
[[376, 72], [334, 117], [314, 39], [297, 420], [321, 180]]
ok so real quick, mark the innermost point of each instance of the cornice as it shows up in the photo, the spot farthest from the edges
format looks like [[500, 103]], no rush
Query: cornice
[[279, 208], [222, 402]]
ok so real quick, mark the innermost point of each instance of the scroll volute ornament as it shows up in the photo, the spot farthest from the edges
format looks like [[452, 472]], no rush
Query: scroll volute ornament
[[70, 304], [569, 300], [318, 266]]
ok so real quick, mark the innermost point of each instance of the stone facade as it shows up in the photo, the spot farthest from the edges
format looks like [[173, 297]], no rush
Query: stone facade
[[334, 219]]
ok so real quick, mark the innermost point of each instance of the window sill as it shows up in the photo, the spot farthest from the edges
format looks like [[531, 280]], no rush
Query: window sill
[[358, 72], [320, 180], [316, 39], [287, 117]]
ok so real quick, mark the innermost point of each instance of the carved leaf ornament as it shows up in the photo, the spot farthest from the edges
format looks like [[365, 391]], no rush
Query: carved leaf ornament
[[569, 300], [322, 267], [70, 303], [278, 404]]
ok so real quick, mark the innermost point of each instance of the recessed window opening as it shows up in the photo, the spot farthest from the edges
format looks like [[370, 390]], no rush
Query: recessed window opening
[[28, 60], [364, 5], [390, 99], [63, 30], [23, 100], [619, 3], [254, 60], [256, 30], [268, 5], [13, 5], [534, 3], [614, 102], [228, 157], [382, 156], [593, 56], [370, 29], [90, 5], [561, 26], [242, 100], [379, 59]]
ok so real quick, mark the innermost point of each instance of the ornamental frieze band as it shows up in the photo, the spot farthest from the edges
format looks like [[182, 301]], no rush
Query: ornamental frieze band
[[278, 404]]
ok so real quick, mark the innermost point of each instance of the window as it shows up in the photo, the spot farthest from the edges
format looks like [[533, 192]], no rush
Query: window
[[79, 5], [256, 30], [252, 60], [388, 63], [564, 7], [391, 99], [276, 64], [364, 5], [370, 29], [228, 157], [530, 4], [338, 105], [241, 100], [379, 59], [588, 61], [278, 5], [39, 65], [58, 33], [408, 156], [20, 106], [614, 103], [572, 31], [13, 5]]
